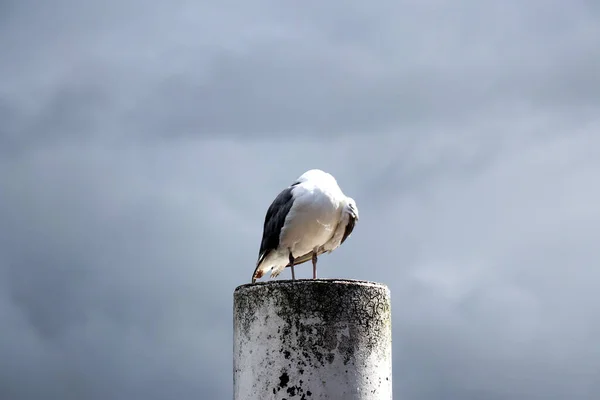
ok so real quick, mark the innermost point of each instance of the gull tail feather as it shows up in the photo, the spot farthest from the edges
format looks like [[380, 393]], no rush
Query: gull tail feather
[[266, 264], [276, 271], [259, 272], [263, 265]]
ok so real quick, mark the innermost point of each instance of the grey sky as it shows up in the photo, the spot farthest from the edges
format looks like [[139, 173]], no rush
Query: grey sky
[[141, 144]]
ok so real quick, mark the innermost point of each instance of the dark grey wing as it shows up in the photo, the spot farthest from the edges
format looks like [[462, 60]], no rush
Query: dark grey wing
[[274, 221], [349, 228]]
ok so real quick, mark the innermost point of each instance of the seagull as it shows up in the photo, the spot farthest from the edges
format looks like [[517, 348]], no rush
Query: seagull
[[310, 217]]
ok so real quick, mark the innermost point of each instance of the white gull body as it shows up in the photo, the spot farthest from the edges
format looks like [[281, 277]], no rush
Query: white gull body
[[310, 217]]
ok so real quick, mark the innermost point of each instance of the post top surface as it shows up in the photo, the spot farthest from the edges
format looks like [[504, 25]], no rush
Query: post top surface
[[308, 282]]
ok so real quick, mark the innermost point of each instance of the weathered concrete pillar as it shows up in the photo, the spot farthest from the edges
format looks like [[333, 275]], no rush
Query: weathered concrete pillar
[[312, 339]]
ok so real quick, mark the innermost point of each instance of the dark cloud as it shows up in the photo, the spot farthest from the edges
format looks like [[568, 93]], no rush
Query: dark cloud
[[301, 72], [142, 143]]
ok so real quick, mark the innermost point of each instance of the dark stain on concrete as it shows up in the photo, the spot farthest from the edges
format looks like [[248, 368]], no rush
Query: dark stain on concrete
[[283, 380]]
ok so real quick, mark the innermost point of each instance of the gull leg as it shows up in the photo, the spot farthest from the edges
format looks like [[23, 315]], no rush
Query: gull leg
[[292, 266], [314, 262]]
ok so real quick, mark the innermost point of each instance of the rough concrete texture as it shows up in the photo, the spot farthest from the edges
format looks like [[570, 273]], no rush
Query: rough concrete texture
[[312, 339]]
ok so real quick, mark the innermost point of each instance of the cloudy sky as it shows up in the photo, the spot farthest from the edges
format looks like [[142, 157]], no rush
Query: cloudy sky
[[142, 142]]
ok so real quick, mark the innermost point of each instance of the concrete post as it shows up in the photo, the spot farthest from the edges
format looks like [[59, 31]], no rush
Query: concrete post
[[312, 339]]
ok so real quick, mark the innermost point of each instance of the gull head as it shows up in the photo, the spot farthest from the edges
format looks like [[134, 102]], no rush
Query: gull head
[[351, 208], [317, 175]]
